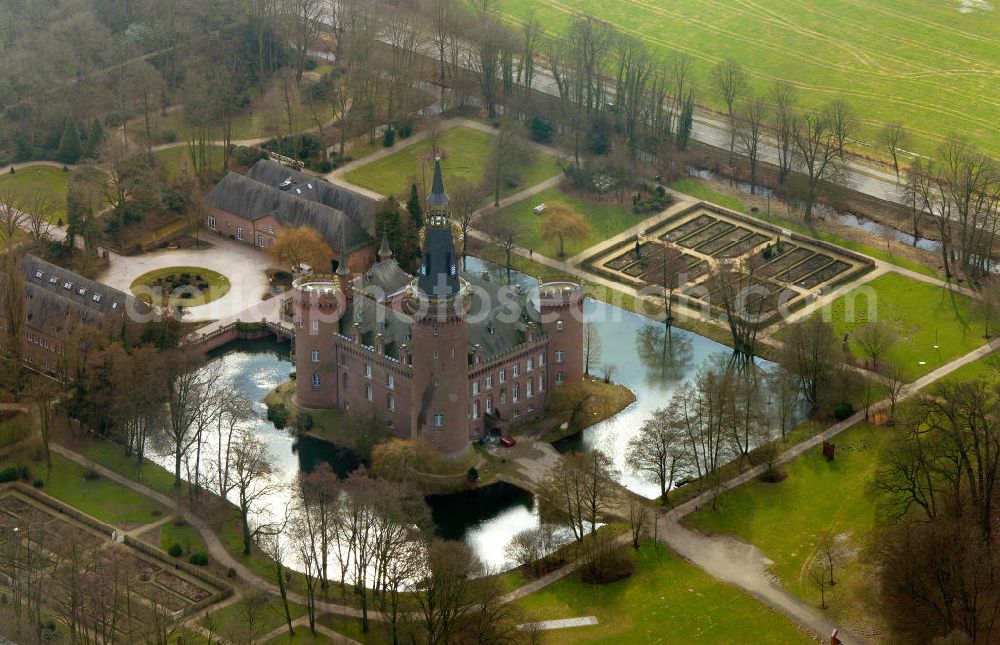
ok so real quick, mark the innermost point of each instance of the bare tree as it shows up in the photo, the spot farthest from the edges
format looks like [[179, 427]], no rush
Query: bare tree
[[659, 451], [508, 156], [506, 233], [591, 348], [743, 295], [818, 578], [304, 25], [875, 339], [444, 17], [812, 354], [842, 121], [892, 137], [466, 199], [189, 392], [816, 144], [750, 121], [251, 473], [783, 100], [896, 376], [638, 521], [731, 83]]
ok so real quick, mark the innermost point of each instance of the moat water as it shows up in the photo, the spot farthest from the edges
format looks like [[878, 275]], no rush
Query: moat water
[[648, 361]]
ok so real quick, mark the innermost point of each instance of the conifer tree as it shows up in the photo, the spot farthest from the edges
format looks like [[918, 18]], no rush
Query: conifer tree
[[70, 149], [94, 139], [415, 208]]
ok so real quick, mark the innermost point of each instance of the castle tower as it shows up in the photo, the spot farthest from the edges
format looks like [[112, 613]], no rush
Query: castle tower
[[438, 302], [384, 252], [318, 303], [561, 307]]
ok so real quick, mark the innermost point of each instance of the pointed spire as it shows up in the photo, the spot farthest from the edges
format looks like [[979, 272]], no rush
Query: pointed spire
[[384, 252], [438, 199], [342, 268]]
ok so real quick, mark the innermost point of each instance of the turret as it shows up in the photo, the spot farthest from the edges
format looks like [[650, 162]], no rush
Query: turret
[[561, 307], [384, 252], [318, 303]]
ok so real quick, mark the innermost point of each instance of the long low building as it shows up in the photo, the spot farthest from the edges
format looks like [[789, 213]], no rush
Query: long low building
[[257, 207], [58, 300]]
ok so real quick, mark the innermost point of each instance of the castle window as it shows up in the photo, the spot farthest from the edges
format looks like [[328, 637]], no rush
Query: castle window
[[368, 370], [503, 376], [559, 325], [503, 397], [368, 391], [515, 393], [559, 378], [528, 385], [541, 359], [438, 420], [260, 241], [344, 380], [316, 381], [315, 325], [475, 409], [270, 229], [211, 222], [315, 356], [434, 330], [560, 357], [489, 381], [239, 232], [475, 388], [530, 366], [390, 382], [541, 382], [489, 404], [517, 369], [390, 402]]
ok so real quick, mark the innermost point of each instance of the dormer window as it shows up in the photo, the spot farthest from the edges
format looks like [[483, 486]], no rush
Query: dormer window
[[559, 325], [97, 297], [53, 280], [67, 286], [114, 305], [81, 291], [38, 275]]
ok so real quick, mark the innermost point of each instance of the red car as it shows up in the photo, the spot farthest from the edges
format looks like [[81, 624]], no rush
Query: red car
[[508, 442]]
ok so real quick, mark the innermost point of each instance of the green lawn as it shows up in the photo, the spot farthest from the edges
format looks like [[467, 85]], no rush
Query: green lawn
[[229, 619], [606, 218], [175, 160], [185, 535], [787, 521], [465, 153], [929, 65], [923, 315], [49, 181], [987, 368], [667, 600], [218, 285], [101, 498], [699, 190]]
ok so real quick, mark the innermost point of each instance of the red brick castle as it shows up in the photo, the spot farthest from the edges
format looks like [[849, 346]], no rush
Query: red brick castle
[[446, 356]]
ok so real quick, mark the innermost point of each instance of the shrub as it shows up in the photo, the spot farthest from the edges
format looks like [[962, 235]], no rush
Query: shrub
[[843, 411], [25, 473], [199, 559], [324, 166], [38, 483], [231, 573], [389, 140], [9, 474], [310, 64], [278, 415], [246, 156], [654, 204], [175, 550], [608, 566], [472, 475], [540, 129], [168, 136], [405, 130], [303, 422]]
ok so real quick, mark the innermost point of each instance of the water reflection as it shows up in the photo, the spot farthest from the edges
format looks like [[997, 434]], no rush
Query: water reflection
[[665, 354]]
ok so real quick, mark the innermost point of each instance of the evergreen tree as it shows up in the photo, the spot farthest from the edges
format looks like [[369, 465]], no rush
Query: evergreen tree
[[686, 122], [94, 139], [415, 208], [403, 238], [70, 149]]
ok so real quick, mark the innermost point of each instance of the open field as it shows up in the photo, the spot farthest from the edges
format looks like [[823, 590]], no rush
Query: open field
[[787, 521], [606, 218], [178, 159], [465, 154], [923, 316], [667, 600], [930, 65]]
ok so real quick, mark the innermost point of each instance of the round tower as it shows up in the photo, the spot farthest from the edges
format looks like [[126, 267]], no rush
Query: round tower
[[318, 303], [438, 301], [561, 307]]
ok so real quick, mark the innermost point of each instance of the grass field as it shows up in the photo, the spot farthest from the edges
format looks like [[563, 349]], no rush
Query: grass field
[[787, 521], [465, 154], [606, 218], [49, 181], [986, 368], [666, 601], [930, 65], [175, 160], [923, 315]]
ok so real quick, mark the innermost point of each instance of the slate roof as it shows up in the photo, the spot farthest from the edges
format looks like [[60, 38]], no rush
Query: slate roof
[[252, 200], [355, 205], [57, 296], [383, 279]]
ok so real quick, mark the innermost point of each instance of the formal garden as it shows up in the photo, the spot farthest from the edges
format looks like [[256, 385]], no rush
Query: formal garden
[[180, 286]]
